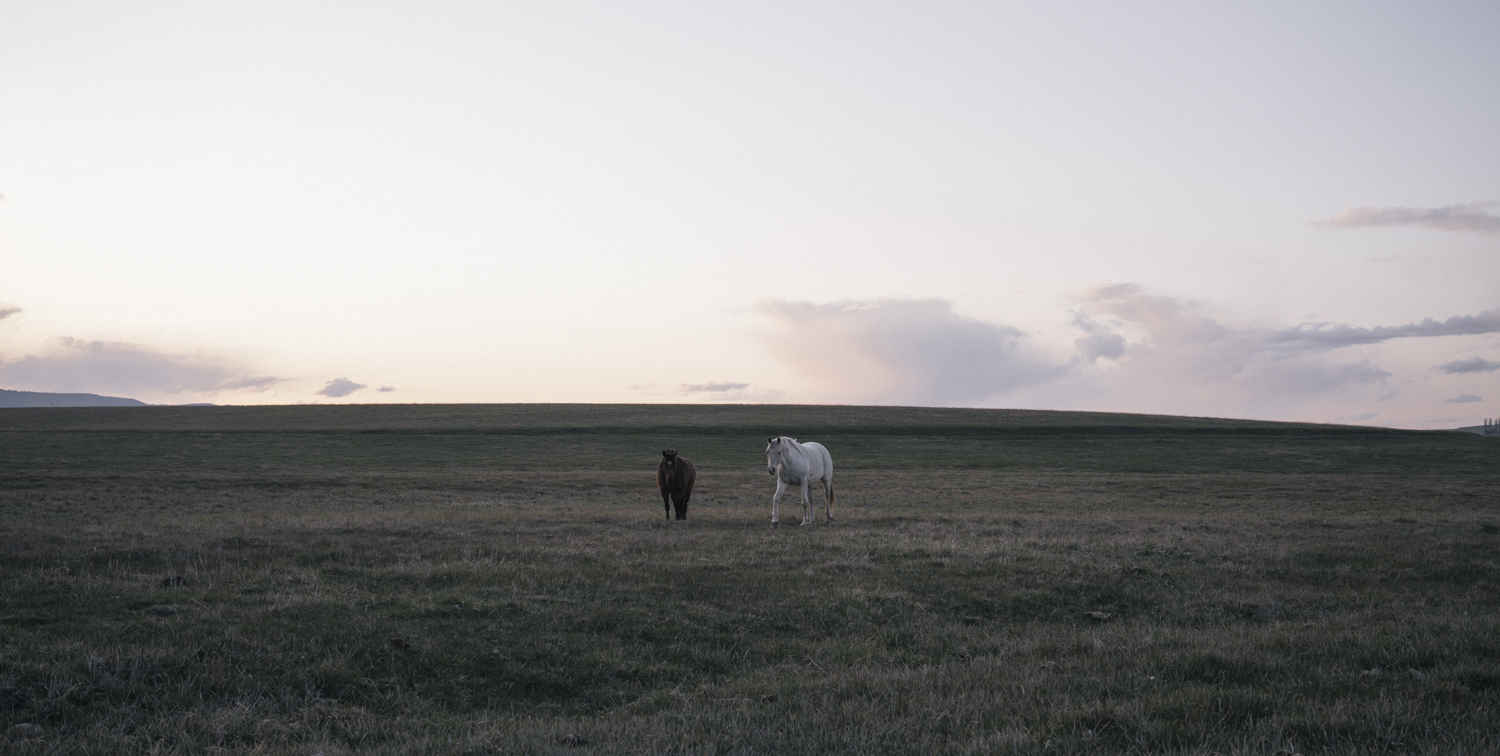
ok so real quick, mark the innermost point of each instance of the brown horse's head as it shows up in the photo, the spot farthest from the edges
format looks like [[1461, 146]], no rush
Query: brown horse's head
[[669, 464]]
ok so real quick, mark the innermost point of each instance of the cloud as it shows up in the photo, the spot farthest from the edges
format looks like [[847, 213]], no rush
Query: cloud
[[339, 387], [1168, 319], [1475, 364], [1097, 341], [900, 351], [1172, 356], [8, 310], [1133, 350], [1334, 336], [386, 389], [1172, 321], [711, 387], [1177, 358], [77, 365], [1464, 399], [727, 391], [1470, 218]]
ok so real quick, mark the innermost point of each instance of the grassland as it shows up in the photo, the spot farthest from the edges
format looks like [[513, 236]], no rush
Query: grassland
[[501, 579]]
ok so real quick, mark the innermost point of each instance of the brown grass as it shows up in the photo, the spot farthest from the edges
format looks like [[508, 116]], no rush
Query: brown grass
[[219, 607]]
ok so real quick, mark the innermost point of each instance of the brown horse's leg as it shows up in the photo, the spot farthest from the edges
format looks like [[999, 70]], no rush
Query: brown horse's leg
[[666, 503]]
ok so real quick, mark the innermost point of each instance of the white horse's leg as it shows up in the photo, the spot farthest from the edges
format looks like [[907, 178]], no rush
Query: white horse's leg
[[808, 513], [780, 489]]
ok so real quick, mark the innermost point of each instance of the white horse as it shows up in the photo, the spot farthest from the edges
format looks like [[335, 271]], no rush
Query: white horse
[[799, 464]]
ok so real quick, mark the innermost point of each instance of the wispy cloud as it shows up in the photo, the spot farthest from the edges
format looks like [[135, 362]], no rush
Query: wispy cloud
[[711, 387], [1337, 335], [729, 391], [900, 351], [1475, 364], [1471, 218], [8, 310], [1464, 399], [385, 389], [1175, 322], [339, 387], [77, 365]]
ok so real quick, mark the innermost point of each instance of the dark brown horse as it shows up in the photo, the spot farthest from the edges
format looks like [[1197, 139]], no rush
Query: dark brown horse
[[675, 476]]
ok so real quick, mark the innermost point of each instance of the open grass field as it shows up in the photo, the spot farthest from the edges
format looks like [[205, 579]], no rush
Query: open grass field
[[502, 579]]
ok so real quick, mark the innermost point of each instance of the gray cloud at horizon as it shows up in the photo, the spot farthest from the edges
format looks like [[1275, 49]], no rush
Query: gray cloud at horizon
[[1178, 355], [7, 310], [1181, 352], [712, 387], [729, 392], [1464, 399], [83, 366], [1471, 218], [339, 387], [1135, 348], [922, 352], [900, 351], [1475, 364]]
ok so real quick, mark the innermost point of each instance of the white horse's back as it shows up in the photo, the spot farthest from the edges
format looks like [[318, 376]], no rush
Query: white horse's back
[[820, 459]]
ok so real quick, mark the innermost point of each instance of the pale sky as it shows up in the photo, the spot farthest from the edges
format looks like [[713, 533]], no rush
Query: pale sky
[[1281, 211]]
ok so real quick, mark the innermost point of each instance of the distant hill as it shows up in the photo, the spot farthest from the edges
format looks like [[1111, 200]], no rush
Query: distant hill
[[1491, 431], [10, 398]]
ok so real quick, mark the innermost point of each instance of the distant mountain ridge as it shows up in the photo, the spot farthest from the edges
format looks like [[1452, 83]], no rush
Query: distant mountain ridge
[[9, 398]]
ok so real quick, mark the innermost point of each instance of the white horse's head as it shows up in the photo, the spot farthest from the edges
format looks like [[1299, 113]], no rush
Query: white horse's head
[[773, 454]]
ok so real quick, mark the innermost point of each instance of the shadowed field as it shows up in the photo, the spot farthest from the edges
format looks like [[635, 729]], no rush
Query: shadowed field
[[501, 579]]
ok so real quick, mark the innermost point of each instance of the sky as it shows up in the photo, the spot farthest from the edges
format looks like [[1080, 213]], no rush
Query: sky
[[1270, 210]]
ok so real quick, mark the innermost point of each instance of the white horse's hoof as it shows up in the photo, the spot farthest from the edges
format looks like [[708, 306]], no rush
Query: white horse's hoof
[[775, 524]]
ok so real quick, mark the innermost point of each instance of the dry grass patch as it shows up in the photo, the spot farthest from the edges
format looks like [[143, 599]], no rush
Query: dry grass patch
[[408, 610]]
